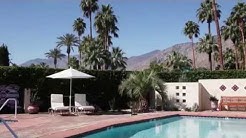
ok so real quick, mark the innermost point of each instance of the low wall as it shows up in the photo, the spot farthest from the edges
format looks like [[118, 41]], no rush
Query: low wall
[[183, 94], [218, 88]]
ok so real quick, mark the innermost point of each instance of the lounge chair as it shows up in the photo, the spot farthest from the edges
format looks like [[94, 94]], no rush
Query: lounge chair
[[57, 104], [81, 104]]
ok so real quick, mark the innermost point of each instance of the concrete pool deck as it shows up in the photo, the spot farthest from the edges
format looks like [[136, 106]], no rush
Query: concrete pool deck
[[47, 126]]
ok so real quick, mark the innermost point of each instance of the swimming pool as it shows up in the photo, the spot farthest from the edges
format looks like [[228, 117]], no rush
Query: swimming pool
[[178, 127]]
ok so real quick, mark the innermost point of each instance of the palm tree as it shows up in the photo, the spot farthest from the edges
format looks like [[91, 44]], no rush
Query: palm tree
[[216, 19], [79, 26], [205, 13], [95, 55], [105, 23], [84, 47], [238, 16], [89, 7], [192, 30], [229, 57], [117, 59], [74, 62], [42, 65], [68, 40], [232, 31], [140, 86], [177, 61], [55, 54], [207, 45]]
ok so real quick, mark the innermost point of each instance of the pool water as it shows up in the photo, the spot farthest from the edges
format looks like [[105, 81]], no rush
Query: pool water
[[178, 127]]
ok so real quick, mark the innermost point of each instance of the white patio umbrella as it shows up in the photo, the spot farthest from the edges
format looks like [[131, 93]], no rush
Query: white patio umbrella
[[70, 74]]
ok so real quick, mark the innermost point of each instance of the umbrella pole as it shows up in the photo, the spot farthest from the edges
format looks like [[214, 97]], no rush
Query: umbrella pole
[[70, 96]]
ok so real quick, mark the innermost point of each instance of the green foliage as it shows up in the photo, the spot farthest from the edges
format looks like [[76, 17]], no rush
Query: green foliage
[[4, 55], [55, 54], [191, 29], [177, 61], [73, 62], [106, 25], [141, 86], [99, 90], [157, 66]]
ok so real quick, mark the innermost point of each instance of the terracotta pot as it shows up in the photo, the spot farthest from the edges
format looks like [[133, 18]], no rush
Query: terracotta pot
[[33, 109]]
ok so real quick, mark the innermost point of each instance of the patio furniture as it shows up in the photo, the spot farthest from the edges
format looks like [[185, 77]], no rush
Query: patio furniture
[[233, 103], [70, 74], [57, 104], [81, 104]]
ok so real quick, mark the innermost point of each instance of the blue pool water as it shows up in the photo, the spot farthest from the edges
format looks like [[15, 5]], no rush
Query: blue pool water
[[178, 127]]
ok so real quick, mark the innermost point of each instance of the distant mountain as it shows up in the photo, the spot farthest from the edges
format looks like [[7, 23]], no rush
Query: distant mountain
[[142, 61]]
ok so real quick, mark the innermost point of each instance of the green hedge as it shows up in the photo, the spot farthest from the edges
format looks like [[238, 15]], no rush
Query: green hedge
[[100, 90], [194, 76]]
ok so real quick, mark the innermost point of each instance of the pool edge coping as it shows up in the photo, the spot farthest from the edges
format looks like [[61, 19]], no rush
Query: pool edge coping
[[93, 128]]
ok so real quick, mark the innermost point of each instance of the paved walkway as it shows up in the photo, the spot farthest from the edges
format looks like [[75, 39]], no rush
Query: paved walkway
[[46, 126]]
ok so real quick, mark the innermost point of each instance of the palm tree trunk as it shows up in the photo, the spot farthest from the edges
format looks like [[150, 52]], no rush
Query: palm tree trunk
[[193, 54], [68, 57], [218, 34], [210, 61], [80, 62], [209, 28], [90, 25], [241, 26], [55, 62], [236, 57]]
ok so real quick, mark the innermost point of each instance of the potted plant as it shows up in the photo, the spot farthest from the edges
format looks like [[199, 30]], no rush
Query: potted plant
[[33, 107], [213, 103]]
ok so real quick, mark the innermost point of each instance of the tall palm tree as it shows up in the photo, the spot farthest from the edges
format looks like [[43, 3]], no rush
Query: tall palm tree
[[95, 55], [106, 25], [207, 45], [232, 31], [55, 54], [84, 47], [117, 59], [89, 7], [141, 86], [69, 41], [216, 19], [79, 26], [205, 13], [191, 30], [177, 61], [238, 15]]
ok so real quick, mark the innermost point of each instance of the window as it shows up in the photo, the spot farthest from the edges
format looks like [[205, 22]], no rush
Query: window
[[184, 101], [177, 94], [184, 87], [184, 94], [177, 87], [177, 100]]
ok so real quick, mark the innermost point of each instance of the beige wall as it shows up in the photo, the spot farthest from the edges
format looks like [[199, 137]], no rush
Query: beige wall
[[191, 92], [212, 87]]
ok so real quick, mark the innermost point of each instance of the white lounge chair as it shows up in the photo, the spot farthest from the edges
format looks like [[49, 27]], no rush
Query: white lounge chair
[[81, 104], [57, 104]]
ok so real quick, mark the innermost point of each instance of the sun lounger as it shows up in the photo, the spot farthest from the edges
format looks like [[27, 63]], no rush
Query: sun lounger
[[57, 104], [81, 104]]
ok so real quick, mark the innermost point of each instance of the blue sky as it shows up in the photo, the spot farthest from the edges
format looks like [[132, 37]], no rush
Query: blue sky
[[31, 27]]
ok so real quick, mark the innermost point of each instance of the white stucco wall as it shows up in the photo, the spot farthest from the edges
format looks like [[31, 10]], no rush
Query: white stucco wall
[[212, 87], [191, 92]]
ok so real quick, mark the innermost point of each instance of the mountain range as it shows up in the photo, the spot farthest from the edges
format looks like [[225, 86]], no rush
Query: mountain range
[[141, 62]]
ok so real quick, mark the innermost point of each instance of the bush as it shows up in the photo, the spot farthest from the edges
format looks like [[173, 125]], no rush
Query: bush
[[99, 91]]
